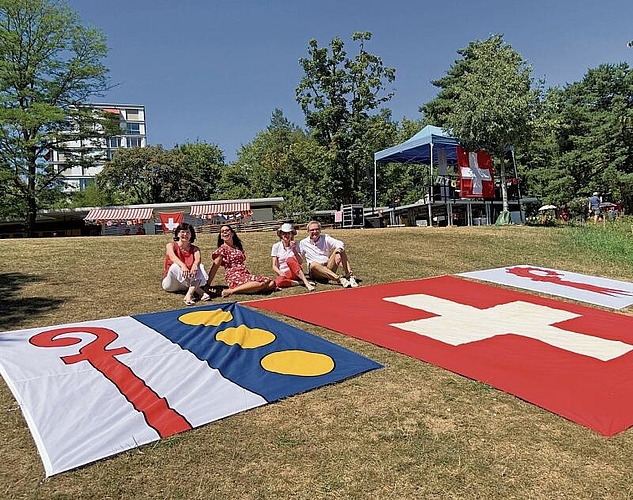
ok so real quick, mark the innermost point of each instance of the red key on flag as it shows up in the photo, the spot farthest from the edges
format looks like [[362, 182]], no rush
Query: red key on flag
[[157, 412]]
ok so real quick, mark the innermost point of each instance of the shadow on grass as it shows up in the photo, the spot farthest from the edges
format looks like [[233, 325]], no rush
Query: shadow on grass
[[15, 308]]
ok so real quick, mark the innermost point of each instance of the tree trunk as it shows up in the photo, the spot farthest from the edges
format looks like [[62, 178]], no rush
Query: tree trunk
[[31, 199], [31, 216]]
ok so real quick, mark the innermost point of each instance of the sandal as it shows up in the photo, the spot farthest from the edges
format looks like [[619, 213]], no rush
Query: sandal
[[189, 301], [205, 297]]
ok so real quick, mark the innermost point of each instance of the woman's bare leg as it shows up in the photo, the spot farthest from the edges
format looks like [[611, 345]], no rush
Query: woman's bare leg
[[305, 281], [250, 287]]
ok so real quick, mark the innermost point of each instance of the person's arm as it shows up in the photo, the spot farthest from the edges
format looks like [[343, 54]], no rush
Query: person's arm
[[274, 253], [197, 256], [169, 250], [332, 243], [301, 250], [296, 250], [217, 262], [276, 266]]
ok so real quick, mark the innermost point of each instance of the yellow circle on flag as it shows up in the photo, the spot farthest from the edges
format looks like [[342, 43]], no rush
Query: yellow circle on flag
[[245, 337], [206, 318], [295, 362]]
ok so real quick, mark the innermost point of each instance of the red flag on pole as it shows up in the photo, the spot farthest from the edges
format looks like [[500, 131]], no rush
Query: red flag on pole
[[170, 221]]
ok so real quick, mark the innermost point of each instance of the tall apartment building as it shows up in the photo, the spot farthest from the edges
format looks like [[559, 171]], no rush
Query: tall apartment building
[[133, 135]]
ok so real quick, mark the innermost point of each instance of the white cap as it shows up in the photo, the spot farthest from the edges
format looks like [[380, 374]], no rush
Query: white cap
[[286, 228]]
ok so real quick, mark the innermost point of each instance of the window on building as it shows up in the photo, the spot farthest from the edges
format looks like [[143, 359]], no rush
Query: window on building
[[133, 114], [84, 183], [114, 142], [133, 128], [134, 142]]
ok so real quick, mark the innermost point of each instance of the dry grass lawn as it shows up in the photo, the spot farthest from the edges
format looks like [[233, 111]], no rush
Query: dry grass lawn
[[410, 430]]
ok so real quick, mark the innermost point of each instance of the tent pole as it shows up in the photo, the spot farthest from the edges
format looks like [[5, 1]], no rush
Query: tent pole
[[516, 176], [449, 212], [430, 210], [373, 210]]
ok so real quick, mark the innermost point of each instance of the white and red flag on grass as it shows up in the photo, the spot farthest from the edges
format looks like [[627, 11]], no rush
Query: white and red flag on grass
[[592, 289], [90, 390], [573, 360]]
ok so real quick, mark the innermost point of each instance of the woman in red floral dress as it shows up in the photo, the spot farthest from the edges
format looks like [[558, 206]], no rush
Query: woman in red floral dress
[[230, 254]]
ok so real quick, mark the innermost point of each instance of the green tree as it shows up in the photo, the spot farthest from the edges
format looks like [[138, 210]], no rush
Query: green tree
[[280, 161], [92, 196], [205, 162], [138, 175], [338, 95], [189, 172], [49, 66], [535, 161], [592, 129], [486, 100]]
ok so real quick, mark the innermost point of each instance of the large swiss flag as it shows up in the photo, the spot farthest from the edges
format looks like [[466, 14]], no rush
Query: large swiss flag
[[573, 360]]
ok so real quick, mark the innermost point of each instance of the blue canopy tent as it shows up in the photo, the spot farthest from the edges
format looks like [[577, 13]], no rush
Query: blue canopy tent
[[422, 148]]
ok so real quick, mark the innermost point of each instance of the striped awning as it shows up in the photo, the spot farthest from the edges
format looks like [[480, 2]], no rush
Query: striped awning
[[220, 208], [120, 214]]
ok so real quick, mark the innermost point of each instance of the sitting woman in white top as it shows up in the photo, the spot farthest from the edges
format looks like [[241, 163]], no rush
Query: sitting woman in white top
[[183, 269], [324, 254], [287, 260]]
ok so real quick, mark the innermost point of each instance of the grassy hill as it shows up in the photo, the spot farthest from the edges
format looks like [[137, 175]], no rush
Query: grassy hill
[[411, 430]]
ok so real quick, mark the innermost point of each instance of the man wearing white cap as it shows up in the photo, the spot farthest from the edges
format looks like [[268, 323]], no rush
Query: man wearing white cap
[[594, 206], [324, 254]]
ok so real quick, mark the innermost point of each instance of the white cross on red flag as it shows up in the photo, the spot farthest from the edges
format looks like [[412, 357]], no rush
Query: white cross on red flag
[[573, 360], [476, 176], [170, 221]]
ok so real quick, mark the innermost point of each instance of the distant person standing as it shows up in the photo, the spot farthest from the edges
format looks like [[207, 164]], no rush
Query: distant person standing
[[564, 214], [594, 206]]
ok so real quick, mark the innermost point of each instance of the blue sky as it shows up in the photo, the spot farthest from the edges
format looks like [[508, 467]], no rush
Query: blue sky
[[214, 70]]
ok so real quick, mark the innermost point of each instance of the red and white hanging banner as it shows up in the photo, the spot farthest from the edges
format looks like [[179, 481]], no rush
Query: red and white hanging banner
[[476, 176], [170, 221]]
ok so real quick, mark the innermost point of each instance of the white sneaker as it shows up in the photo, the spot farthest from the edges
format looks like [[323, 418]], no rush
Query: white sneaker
[[344, 282], [352, 282]]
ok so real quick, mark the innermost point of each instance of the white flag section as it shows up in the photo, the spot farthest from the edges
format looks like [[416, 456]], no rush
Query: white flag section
[[90, 390], [592, 289], [77, 415]]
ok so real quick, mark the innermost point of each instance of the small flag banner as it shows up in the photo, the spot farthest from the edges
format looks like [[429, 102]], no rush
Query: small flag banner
[[170, 221], [93, 389], [573, 360]]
